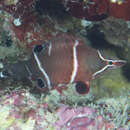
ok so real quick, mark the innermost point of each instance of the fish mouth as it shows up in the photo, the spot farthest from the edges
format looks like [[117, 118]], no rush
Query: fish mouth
[[119, 63], [110, 64]]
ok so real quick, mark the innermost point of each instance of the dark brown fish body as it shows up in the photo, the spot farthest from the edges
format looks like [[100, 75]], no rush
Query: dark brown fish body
[[66, 60]]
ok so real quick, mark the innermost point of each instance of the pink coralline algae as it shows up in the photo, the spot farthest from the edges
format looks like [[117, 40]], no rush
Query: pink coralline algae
[[81, 118], [22, 111]]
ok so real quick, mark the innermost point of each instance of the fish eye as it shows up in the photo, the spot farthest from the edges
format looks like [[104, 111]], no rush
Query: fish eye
[[41, 83], [5, 74], [38, 48], [110, 63], [81, 87]]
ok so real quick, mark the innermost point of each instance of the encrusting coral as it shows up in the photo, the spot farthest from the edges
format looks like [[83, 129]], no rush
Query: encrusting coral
[[21, 110]]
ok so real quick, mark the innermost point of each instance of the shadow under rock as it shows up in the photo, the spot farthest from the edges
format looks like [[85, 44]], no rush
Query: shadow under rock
[[52, 7], [126, 71], [98, 41], [97, 38]]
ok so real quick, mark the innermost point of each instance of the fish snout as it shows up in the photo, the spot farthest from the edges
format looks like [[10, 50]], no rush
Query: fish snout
[[116, 63], [119, 63]]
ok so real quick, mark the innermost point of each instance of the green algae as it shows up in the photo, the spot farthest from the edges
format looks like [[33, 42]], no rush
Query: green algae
[[112, 83], [68, 97], [5, 52]]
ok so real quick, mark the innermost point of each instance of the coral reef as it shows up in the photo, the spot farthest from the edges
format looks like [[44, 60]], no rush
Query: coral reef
[[105, 25], [83, 118], [97, 10], [123, 8], [91, 10], [111, 82], [21, 110], [27, 25], [116, 31]]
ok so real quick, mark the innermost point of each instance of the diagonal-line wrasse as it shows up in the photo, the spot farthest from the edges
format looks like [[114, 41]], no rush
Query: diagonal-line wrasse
[[62, 61]]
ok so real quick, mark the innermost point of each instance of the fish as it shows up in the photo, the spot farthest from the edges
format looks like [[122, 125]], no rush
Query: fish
[[61, 61]]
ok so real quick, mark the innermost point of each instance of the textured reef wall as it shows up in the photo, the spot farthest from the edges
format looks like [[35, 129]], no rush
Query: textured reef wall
[[21, 110], [104, 25]]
